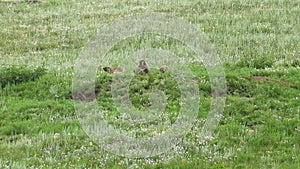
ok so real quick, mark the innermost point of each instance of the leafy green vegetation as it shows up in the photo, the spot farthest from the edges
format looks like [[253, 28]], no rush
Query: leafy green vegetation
[[16, 75], [258, 42]]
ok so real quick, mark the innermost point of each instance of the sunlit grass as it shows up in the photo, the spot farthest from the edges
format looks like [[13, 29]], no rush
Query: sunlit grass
[[257, 41]]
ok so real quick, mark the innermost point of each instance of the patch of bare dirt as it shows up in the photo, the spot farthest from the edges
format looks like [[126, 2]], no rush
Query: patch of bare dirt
[[265, 79]]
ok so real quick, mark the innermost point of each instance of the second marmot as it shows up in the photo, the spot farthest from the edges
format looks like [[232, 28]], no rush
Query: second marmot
[[142, 67]]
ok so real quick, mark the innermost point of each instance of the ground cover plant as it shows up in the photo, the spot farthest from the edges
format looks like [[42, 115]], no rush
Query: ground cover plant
[[257, 41]]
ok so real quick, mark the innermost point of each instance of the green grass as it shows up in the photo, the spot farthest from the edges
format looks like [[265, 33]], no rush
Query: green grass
[[258, 42]]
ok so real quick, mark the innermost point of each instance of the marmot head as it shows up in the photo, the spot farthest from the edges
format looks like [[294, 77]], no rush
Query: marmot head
[[108, 69], [142, 63], [163, 68]]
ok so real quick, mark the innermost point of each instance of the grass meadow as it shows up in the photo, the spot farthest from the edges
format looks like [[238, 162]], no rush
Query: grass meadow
[[257, 41]]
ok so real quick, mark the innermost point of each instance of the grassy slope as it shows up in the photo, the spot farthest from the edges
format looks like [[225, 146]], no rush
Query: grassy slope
[[260, 126]]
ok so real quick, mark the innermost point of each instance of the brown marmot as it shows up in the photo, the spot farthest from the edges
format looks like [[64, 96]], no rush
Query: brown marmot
[[163, 68], [111, 70], [142, 67]]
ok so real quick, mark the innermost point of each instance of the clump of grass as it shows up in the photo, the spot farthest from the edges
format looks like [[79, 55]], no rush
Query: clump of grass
[[19, 74], [257, 62], [141, 86]]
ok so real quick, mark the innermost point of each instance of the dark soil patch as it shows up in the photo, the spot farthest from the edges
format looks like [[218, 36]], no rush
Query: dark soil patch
[[266, 79]]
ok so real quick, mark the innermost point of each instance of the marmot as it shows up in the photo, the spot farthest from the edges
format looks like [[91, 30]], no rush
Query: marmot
[[163, 68], [115, 70], [32, 1], [142, 67]]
